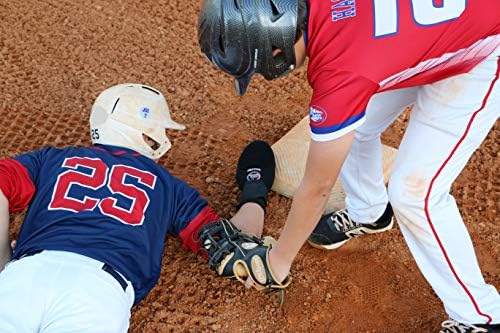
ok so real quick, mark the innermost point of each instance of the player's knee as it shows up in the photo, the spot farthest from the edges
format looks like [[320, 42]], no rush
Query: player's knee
[[365, 134], [406, 194]]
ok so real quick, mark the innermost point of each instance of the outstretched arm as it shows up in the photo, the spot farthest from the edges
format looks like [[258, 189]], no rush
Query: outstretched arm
[[255, 173], [323, 166], [16, 191], [5, 250]]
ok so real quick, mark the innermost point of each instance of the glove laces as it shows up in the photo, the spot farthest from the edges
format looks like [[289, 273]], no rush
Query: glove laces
[[453, 326]]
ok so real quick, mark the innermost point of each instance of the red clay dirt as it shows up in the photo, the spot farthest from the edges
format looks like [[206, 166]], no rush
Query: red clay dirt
[[57, 55]]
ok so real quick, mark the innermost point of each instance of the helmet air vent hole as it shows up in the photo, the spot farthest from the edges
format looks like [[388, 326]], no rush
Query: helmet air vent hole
[[151, 89], [278, 56], [114, 106], [276, 13], [151, 142], [236, 4]]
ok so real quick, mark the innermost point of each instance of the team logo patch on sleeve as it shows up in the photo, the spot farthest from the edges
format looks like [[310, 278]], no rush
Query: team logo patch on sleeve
[[317, 115]]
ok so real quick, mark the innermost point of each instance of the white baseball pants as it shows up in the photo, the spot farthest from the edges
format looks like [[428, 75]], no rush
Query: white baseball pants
[[449, 120], [62, 292]]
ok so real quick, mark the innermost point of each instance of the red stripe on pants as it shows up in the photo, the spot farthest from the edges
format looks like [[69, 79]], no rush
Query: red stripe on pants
[[469, 125]]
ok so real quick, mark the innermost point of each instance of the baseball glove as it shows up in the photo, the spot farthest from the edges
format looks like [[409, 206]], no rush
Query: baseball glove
[[235, 254]]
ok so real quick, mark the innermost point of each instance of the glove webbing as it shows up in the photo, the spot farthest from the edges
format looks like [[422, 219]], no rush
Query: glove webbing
[[220, 246]]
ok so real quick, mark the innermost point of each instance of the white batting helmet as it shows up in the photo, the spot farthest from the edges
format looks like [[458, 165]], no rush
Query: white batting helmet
[[122, 114]]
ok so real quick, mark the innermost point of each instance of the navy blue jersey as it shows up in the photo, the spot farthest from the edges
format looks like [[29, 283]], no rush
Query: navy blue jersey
[[108, 203]]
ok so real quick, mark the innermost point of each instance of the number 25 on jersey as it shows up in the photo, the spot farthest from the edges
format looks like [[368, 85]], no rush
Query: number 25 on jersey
[[101, 176], [425, 13]]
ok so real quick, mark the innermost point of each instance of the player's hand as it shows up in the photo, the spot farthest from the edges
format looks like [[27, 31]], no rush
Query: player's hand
[[279, 266], [232, 253]]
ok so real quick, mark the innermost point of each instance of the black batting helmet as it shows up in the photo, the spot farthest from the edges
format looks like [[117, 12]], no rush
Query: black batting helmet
[[244, 37]]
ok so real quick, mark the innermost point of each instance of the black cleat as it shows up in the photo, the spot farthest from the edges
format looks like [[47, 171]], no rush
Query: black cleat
[[453, 326], [335, 229]]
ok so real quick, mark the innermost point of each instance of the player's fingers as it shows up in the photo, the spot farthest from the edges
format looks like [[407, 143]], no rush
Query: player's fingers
[[249, 283]]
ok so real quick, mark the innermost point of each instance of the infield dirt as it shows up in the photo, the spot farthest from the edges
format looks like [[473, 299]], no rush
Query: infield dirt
[[57, 55]]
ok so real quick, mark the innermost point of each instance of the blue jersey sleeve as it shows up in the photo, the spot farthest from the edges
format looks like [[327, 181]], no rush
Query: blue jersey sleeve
[[189, 204], [33, 161]]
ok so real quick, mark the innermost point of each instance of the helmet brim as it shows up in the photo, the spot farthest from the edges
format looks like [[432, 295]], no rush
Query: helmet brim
[[241, 84], [174, 125]]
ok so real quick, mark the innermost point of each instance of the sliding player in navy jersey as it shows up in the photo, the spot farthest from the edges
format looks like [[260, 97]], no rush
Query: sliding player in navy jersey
[[91, 244]]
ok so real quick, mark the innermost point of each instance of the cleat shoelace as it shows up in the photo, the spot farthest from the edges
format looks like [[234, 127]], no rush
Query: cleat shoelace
[[453, 326], [342, 221]]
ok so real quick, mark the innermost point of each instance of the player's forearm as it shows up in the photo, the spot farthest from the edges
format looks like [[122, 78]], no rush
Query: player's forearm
[[323, 166], [5, 250], [307, 207]]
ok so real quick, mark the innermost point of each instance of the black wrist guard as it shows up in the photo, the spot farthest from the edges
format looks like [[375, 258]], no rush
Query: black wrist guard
[[254, 191]]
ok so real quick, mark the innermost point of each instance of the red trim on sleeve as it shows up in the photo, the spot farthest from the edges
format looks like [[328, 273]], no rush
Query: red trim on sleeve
[[189, 234], [16, 184]]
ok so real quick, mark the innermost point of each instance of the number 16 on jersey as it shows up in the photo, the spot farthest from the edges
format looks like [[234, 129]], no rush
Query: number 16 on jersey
[[424, 12]]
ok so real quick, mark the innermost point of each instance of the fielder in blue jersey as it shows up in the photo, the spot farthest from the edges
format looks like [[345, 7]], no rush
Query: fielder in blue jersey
[[91, 244]]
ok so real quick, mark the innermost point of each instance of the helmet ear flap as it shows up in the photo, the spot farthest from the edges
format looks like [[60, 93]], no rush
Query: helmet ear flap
[[99, 115], [238, 36]]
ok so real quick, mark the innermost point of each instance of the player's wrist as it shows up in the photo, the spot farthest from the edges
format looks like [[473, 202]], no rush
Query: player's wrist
[[252, 207], [279, 263], [254, 192]]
